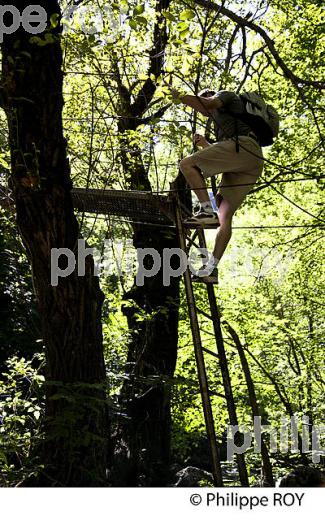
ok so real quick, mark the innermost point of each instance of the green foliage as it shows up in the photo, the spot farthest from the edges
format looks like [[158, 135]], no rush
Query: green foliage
[[19, 329], [21, 413], [187, 15]]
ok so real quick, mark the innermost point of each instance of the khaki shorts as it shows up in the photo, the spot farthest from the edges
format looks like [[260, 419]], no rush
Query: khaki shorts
[[241, 168]]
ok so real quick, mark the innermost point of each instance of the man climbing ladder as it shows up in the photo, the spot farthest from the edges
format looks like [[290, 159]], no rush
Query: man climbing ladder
[[237, 154]]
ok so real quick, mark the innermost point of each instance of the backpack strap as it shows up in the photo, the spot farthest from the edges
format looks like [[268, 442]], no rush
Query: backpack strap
[[236, 118], [236, 135]]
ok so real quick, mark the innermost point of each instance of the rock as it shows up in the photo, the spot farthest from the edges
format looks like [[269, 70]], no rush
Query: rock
[[193, 477]]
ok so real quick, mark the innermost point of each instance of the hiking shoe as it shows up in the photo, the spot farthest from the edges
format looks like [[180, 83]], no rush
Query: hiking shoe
[[203, 217], [209, 278]]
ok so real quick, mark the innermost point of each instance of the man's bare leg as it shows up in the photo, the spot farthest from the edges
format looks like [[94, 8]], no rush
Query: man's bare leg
[[226, 213], [195, 179]]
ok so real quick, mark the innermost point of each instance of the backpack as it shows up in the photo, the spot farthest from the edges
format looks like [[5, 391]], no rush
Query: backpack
[[263, 119]]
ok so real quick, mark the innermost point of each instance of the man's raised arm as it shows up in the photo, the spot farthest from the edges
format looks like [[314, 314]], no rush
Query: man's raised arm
[[201, 104]]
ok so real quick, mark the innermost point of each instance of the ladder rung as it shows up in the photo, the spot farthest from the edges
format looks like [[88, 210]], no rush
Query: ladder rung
[[201, 226]]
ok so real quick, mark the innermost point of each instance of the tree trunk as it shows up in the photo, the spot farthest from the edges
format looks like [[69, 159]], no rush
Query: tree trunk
[[143, 436], [288, 406], [75, 428], [143, 452], [151, 364]]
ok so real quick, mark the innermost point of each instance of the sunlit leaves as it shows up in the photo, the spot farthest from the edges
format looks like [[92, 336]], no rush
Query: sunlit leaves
[[184, 29], [3, 161], [187, 15], [169, 16], [142, 77], [54, 20], [139, 9], [21, 408]]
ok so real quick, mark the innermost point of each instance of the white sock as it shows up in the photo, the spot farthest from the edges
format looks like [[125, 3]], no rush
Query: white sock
[[207, 206], [212, 263]]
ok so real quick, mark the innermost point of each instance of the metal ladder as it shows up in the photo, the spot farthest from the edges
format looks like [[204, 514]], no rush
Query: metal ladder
[[199, 350]]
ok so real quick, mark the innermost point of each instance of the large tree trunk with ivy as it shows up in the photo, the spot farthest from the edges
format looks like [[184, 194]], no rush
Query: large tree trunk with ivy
[[75, 426]]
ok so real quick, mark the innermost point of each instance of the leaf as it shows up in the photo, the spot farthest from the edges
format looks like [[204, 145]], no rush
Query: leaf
[[188, 14], [183, 34], [133, 24], [124, 7], [139, 9], [54, 20], [48, 39], [169, 16], [25, 53], [4, 163], [182, 26], [142, 20], [160, 93], [3, 457], [185, 68]]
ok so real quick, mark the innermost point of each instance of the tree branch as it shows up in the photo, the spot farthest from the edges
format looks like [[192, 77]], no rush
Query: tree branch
[[243, 22], [156, 60], [148, 120]]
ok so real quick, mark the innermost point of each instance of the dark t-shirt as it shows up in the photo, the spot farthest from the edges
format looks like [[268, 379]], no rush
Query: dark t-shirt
[[225, 123]]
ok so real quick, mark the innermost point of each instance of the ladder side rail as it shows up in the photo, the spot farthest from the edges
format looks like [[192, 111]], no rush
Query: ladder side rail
[[223, 363], [204, 388]]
